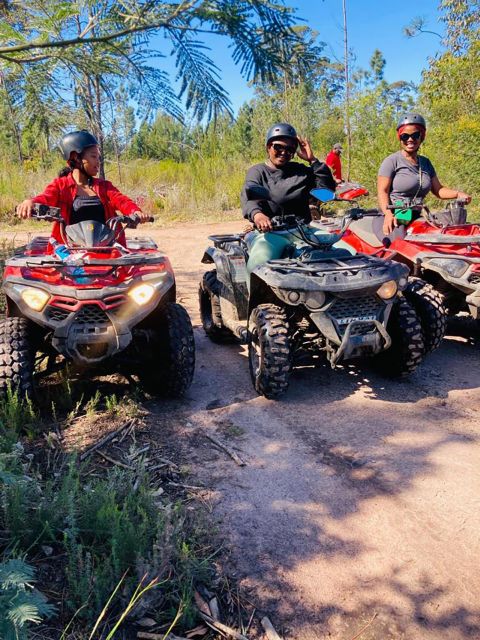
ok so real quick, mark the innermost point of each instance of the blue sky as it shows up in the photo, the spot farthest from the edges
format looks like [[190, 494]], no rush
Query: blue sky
[[372, 24]]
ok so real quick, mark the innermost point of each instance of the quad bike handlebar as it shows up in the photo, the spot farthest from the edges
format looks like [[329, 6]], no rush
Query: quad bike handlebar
[[52, 214], [130, 222], [46, 213], [454, 214]]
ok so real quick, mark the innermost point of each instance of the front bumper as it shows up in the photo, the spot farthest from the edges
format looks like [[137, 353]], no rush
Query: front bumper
[[90, 325]]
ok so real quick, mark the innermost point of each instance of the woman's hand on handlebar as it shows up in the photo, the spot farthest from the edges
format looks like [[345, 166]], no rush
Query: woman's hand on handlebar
[[464, 196], [389, 223], [142, 217], [25, 208], [262, 222]]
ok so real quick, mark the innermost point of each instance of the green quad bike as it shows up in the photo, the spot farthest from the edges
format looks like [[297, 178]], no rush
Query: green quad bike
[[319, 300]]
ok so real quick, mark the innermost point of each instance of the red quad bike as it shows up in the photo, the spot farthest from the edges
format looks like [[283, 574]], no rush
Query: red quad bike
[[103, 306], [427, 287], [441, 248]]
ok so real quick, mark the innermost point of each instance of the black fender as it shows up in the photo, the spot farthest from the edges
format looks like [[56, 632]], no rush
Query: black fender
[[208, 256]]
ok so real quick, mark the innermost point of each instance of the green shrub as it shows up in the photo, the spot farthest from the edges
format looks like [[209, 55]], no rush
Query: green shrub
[[107, 527], [20, 603]]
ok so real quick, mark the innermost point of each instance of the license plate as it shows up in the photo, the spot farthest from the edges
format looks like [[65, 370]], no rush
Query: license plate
[[357, 319]]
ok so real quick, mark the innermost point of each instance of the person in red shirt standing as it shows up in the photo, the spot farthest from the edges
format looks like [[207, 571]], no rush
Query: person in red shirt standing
[[79, 194], [334, 162]]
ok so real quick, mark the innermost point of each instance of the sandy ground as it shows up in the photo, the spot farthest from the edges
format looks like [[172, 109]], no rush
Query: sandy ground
[[359, 504]]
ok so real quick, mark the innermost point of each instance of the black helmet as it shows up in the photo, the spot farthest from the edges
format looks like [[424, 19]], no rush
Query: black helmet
[[76, 141], [281, 130], [412, 118]]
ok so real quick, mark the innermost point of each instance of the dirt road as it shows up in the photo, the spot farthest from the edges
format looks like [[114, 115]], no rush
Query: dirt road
[[359, 502], [360, 496]]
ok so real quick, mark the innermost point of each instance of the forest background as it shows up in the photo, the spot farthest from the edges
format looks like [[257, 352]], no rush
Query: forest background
[[184, 157]]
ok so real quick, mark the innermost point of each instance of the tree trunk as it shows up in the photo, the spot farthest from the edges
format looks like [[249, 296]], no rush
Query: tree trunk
[[16, 132], [98, 118], [347, 92]]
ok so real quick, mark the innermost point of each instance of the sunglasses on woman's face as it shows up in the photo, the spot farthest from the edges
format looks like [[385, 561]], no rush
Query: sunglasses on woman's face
[[282, 148], [416, 135]]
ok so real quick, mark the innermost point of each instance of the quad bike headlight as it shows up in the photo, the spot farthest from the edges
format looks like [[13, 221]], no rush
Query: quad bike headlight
[[455, 268], [36, 299], [142, 293], [387, 290]]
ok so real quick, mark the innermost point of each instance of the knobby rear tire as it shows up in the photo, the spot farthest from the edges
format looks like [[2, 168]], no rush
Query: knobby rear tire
[[211, 315]]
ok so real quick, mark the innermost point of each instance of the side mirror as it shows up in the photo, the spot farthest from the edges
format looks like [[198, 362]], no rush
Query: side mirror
[[324, 195], [257, 192]]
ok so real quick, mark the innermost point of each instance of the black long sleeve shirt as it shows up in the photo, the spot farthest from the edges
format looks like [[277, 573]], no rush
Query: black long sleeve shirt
[[289, 188]]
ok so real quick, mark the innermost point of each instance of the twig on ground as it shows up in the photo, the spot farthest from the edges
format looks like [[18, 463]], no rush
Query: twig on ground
[[269, 629], [164, 463], [234, 456], [187, 486], [158, 636], [135, 454], [113, 460], [129, 430], [365, 627], [223, 628], [250, 621], [103, 441]]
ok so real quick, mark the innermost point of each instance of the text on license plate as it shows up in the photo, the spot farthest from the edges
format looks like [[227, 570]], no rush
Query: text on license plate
[[357, 319]]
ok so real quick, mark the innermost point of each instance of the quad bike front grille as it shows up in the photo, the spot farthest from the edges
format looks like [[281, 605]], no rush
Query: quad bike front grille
[[345, 310], [474, 277], [91, 314], [362, 329], [55, 314]]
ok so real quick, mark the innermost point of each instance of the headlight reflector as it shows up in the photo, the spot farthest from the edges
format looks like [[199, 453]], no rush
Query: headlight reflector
[[36, 299], [387, 290], [142, 293], [455, 268]]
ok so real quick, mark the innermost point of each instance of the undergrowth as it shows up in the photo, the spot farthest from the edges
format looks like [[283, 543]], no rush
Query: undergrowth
[[103, 526]]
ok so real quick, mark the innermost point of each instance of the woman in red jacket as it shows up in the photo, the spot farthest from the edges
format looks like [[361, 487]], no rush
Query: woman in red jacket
[[79, 194]]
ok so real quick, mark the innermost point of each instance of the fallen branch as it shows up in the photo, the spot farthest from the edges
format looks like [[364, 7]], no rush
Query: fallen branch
[[103, 441], [219, 626], [269, 629], [365, 627], [164, 463], [187, 486], [113, 460], [158, 636], [234, 456], [135, 454], [129, 430]]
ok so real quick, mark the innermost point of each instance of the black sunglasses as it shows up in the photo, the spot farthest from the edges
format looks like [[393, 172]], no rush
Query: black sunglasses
[[281, 148], [416, 135]]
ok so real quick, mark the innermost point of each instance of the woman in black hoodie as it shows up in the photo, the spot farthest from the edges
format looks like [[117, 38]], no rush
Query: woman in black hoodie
[[289, 184]]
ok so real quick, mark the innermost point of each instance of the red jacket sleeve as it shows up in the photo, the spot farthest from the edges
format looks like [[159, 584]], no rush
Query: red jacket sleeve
[[119, 201], [50, 195]]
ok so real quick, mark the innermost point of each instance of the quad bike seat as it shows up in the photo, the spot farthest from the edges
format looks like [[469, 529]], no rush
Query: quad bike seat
[[370, 230]]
